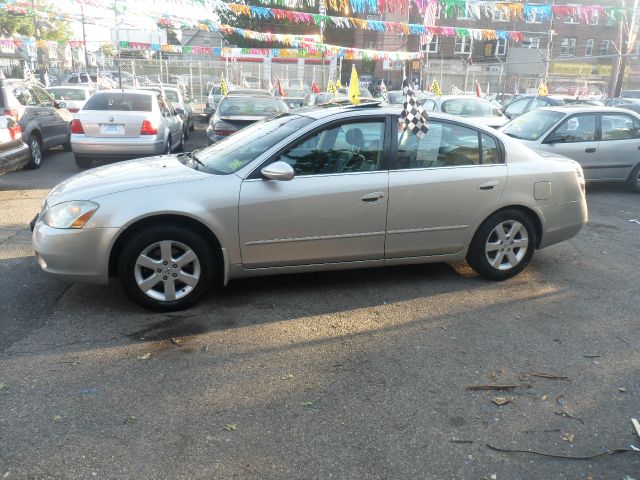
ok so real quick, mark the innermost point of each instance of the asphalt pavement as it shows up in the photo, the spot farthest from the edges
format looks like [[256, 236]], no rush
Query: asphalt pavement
[[347, 375]]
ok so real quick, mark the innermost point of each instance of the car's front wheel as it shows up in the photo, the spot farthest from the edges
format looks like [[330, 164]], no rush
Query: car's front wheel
[[166, 268], [35, 152], [503, 245]]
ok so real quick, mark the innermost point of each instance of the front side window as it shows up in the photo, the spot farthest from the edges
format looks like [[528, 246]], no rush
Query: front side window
[[619, 127], [579, 128], [350, 147], [444, 145]]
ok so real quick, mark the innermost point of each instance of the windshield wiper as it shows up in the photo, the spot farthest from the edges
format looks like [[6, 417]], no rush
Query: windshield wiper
[[194, 157]]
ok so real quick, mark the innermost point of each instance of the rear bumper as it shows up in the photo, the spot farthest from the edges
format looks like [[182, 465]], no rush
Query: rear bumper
[[563, 221], [14, 158], [119, 148], [80, 255]]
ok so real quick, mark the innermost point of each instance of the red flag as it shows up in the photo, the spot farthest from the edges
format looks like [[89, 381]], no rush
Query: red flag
[[280, 90], [478, 91], [314, 87]]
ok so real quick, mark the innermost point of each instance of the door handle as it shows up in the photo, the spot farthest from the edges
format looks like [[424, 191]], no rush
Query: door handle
[[590, 150], [372, 197], [489, 185]]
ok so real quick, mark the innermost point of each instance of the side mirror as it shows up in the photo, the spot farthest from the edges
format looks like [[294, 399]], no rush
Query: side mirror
[[179, 111], [209, 111], [278, 171], [59, 104]]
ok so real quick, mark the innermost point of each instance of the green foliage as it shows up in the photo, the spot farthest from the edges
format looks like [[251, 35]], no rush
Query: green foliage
[[24, 25]]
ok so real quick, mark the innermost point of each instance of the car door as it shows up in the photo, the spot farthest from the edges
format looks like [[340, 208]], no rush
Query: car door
[[58, 120], [575, 137], [441, 186], [619, 147], [333, 210]]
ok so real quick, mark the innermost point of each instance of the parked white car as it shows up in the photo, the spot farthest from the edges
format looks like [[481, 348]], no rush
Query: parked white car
[[74, 97]]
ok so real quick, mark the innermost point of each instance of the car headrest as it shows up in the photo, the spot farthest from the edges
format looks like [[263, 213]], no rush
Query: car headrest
[[355, 137]]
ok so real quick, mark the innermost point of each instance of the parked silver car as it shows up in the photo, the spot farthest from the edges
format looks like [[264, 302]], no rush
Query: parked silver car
[[313, 189], [73, 97], [604, 140], [116, 124], [181, 105], [475, 109]]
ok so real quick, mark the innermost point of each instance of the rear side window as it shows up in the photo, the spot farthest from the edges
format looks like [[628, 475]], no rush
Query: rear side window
[[119, 101]]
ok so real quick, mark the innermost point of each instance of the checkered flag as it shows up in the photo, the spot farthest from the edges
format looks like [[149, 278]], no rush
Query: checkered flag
[[415, 118], [456, 91]]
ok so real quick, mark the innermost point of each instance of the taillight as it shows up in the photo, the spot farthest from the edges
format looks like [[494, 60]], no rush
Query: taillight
[[11, 112], [223, 129], [73, 109], [15, 132], [76, 126], [148, 128]]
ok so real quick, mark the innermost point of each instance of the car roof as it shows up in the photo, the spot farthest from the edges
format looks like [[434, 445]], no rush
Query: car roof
[[127, 90], [570, 109]]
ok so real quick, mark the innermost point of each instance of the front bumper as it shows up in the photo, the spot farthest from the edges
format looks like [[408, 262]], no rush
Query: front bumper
[[77, 255], [116, 148]]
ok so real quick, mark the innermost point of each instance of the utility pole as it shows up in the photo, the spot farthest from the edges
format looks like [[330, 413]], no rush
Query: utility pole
[[323, 11], [115, 15], [37, 37], [549, 47], [624, 51], [84, 43]]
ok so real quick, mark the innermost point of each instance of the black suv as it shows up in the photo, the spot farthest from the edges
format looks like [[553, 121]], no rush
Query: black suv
[[45, 122]]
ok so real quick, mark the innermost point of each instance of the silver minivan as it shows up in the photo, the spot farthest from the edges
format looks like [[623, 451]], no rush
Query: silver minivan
[[119, 125]]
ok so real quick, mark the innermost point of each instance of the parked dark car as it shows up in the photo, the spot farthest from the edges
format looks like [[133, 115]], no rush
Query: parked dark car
[[45, 122], [529, 102], [14, 153]]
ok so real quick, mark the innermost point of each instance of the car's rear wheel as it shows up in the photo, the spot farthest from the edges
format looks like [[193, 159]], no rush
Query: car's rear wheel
[[634, 179], [166, 268], [35, 152], [167, 147], [503, 245], [83, 163]]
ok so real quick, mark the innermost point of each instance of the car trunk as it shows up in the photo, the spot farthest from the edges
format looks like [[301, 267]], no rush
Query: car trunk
[[119, 124]]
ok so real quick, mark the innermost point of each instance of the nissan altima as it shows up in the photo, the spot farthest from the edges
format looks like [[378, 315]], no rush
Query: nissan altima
[[315, 189]]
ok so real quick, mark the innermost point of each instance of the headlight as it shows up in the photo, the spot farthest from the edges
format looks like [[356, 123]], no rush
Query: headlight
[[72, 214]]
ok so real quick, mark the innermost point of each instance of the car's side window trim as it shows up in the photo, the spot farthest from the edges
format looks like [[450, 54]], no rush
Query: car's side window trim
[[394, 147], [256, 173], [566, 119]]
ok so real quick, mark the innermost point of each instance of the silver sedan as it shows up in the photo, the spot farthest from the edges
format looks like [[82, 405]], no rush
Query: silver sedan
[[116, 124], [604, 140], [311, 190]]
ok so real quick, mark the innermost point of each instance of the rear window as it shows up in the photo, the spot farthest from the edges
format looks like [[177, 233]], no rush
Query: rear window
[[67, 93], [250, 106], [25, 96], [120, 101], [470, 108]]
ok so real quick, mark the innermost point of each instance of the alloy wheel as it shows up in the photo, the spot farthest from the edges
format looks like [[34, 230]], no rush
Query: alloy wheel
[[36, 152], [167, 270], [507, 245]]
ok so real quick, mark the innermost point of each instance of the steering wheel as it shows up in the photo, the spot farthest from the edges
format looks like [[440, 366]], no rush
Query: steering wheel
[[354, 163]]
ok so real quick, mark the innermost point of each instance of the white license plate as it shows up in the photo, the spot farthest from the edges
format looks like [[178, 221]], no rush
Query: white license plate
[[112, 129]]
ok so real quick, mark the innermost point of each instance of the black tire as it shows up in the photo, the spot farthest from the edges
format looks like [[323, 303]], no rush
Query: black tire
[[634, 179], [35, 152], [180, 237], [180, 147], [167, 148], [83, 163], [192, 126], [481, 260], [66, 146]]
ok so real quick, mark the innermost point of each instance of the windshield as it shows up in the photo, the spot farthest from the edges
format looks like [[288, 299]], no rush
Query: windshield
[[250, 106], [395, 98], [532, 125], [236, 151], [470, 107], [67, 93]]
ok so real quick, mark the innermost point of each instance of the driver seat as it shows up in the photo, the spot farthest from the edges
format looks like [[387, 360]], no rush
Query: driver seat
[[347, 159]]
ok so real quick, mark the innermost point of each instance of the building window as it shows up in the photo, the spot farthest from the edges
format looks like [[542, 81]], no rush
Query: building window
[[572, 19], [432, 46], [462, 45], [595, 18], [605, 46], [568, 47], [534, 18], [501, 47], [636, 53], [500, 16], [370, 44], [465, 14], [589, 50], [531, 42], [375, 18]]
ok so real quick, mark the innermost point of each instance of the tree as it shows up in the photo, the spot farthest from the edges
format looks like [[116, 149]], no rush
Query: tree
[[56, 30], [107, 50]]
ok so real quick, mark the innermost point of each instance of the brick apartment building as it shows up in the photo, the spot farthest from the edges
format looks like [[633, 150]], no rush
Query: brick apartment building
[[576, 49]]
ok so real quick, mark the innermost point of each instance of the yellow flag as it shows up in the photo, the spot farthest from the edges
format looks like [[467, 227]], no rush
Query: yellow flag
[[223, 85], [331, 88], [339, 84], [354, 87], [542, 90], [435, 88]]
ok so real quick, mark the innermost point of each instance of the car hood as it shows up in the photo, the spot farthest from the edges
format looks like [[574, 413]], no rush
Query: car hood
[[122, 176], [493, 121]]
